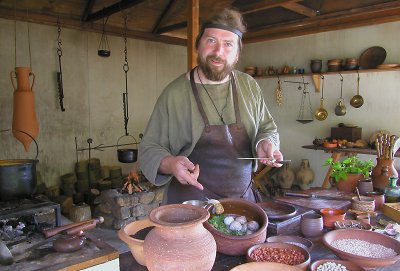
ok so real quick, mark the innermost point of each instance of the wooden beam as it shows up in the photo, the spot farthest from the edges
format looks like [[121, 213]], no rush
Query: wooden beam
[[165, 14], [375, 14], [265, 4], [110, 10], [172, 27], [92, 27], [88, 9], [300, 9], [192, 32]]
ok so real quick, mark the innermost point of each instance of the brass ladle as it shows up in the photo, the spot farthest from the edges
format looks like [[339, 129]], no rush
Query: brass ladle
[[321, 113], [340, 109], [357, 100]]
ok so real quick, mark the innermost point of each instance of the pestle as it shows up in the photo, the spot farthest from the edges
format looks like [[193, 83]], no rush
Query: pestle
[[358, 194]]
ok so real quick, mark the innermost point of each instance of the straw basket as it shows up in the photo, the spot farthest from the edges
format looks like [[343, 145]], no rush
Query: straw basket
[[366, 204]]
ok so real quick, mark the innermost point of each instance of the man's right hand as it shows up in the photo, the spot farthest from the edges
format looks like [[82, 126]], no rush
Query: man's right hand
[[182, 168]]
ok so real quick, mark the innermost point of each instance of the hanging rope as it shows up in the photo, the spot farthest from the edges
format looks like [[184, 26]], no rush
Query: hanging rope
[[29, 36], [125, 68], [59, 73]]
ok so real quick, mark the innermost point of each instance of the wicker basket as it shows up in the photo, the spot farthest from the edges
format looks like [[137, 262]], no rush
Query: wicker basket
[[367, 204]]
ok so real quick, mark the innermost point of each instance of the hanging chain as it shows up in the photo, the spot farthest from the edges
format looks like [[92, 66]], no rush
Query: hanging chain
[[278, 93], [29, 37], [59, 73], [15, 32], [125, 67]]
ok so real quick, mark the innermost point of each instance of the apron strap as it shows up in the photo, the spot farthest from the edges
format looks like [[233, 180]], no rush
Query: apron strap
[[197, 98], [235, 101]]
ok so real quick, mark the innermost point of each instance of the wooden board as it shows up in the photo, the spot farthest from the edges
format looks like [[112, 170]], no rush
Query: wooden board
[[392, 210], [315, 204], [94, 252]]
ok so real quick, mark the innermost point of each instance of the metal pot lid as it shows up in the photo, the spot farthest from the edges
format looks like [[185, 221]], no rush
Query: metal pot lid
[[372, 57]]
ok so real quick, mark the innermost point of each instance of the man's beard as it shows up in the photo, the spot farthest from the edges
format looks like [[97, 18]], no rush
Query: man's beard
[[212, 73]]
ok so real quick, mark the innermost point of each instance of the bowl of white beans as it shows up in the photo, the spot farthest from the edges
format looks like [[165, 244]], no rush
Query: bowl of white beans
[[334, 265], [367, 249]]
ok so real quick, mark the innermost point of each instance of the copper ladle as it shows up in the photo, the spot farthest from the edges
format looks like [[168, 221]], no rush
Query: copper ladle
[[321, 113], [357, 100]]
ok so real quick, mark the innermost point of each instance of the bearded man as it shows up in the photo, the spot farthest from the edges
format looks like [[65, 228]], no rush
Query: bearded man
[[208, 118]]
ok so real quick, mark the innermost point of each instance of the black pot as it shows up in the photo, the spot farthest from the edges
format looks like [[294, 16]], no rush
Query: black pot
[[17, 178], [127, 155]]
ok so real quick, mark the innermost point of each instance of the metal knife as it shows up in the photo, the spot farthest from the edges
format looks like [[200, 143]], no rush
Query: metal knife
[[272, 160]]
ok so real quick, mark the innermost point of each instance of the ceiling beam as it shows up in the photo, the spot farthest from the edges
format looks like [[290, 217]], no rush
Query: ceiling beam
[[45, 19], [265, 4], [110, 10], [165, 14], [300, 9], [375, 14], [88, 9]]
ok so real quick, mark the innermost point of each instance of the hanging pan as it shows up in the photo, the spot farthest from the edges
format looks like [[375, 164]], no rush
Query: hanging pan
[[127, 155], [321, 113]]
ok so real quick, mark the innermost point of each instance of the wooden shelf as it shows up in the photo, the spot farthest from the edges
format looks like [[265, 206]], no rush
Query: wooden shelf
[[327, 73]]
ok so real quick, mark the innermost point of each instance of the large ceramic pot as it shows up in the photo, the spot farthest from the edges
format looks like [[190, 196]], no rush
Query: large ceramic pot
[[237, 245], [378, 181], [350, 184], [177, 242]]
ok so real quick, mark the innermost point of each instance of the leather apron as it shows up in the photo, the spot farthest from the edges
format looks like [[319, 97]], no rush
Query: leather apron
[[221, 173]]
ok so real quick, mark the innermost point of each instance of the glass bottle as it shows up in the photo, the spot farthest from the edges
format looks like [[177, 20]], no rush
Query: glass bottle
[[392, 191]]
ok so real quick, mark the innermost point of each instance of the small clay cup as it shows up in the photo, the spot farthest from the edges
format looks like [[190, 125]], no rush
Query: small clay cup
[[379, 198], [311, 225], [330, 215], [365, 186]]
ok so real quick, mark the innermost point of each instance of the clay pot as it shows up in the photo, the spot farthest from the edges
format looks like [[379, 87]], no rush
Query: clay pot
[[378, 181], [285, 177], [350, 184], [311, 225], [379, 198], [237, 245], [305, 175], [69, 243], [365, 186], [22, 75], [316, 65], [330, 215], [24, 114], [178, 241]]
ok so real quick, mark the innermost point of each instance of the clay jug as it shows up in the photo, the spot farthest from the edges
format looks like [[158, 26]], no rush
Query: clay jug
[[377, 171], [24, 114], [285, 177], [179, 240], [22, 75], [305, 175], [365, 186], [349, 185], [381, 181]]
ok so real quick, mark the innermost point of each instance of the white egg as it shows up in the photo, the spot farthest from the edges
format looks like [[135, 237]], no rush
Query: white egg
[[241, 219], [253, 225], [228, 220], [235, 226]]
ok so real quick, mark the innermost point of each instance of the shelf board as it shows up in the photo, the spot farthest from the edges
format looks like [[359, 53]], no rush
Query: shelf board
[[346, 150], [328, 73]]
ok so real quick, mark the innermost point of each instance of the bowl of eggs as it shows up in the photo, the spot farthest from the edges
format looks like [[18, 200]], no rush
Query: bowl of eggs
[[241, 225]]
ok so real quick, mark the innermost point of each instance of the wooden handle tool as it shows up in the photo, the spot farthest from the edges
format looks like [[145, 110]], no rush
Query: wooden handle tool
[[51, 232]]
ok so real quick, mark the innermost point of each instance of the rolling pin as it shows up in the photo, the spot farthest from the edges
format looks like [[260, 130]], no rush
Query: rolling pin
[[75, 227]]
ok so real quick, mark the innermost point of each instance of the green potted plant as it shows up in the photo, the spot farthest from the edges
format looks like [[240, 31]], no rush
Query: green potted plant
[[349, 171]]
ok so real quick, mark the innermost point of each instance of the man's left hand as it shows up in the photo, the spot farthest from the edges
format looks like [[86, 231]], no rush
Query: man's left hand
[[266, 149]]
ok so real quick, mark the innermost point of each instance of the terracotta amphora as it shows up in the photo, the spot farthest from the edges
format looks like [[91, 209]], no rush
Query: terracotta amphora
[[305, 175], [22, 75], [378, 181], [24, 117], [178, 240]]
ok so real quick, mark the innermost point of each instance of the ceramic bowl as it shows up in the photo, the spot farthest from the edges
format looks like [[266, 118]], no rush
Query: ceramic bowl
[[264, 266], [367, 236], [330, 215], [237, 245], [349, 265], [294, 240], [279, 245]]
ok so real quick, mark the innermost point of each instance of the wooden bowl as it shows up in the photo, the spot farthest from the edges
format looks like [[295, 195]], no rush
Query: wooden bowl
[[330, 215], [237, 245], [352, 224], [367, 236], [349, 265], [302, 266]]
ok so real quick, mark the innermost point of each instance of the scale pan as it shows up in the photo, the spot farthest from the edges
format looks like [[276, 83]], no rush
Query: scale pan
[[305, 121]]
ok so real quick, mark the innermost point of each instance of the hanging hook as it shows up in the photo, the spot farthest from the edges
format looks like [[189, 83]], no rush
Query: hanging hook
[[341, 79]]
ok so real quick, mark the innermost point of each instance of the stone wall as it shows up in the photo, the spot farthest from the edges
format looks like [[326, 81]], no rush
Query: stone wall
[[119, 209]]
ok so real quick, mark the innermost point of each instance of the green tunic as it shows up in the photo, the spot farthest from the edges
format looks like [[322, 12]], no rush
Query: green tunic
[[176, 125]]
